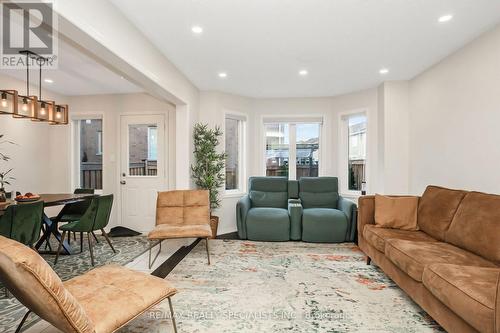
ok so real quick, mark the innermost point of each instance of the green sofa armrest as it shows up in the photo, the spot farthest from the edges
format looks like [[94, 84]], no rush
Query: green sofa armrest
[[350, 209], [242, 208], [295, 213]]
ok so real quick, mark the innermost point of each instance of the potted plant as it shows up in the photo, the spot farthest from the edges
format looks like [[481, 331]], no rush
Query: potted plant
[[4, 175], [208, 168]]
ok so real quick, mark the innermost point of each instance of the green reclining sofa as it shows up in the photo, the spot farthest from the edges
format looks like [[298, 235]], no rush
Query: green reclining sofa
[[278, 209]]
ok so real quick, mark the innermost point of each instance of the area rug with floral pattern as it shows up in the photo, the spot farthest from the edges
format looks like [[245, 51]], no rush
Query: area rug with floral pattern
[[283, 287]]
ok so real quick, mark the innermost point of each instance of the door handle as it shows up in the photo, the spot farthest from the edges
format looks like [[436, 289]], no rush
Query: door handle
[[123, 182]]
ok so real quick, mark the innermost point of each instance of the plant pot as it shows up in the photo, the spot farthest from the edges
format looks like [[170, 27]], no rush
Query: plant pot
[[3, 197], [214, 224]]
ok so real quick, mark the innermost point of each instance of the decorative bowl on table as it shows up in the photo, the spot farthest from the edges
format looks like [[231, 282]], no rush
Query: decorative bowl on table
[[28, 197]]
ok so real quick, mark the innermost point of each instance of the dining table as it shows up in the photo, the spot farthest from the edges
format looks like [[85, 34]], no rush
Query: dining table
[[50, 226]]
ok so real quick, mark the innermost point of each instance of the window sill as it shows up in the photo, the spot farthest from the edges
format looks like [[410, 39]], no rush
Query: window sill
[[234, 194], [351, 195]]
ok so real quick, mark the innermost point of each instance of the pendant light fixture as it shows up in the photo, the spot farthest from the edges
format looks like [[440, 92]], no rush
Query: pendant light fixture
[[33, 107]]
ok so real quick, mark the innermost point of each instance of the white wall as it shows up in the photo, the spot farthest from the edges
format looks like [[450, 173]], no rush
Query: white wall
[[393, 136], [30, 157], [454, 120]]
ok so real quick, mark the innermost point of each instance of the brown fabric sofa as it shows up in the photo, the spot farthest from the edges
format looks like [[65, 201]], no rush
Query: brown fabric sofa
[[451, 266]]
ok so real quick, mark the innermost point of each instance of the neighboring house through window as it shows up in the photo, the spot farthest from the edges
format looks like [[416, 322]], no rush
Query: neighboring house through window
[[234, 147], [305, 135], [353, 147]]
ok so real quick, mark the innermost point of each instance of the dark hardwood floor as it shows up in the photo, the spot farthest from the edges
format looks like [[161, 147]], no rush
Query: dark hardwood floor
[[166, 267]]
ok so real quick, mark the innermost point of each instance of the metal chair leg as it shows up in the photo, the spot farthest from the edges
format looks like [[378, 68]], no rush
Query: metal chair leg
[[172, 314], [59, 247], [208, 252], [81, 242], [90, 248], [23, 321], [156, 256], [95, 237], [108, 240]]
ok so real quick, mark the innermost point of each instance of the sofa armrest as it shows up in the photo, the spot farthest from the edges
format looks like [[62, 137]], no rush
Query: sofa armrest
[[242, 208], [295, 213], [366, 212], [350, 209], [497, 307]]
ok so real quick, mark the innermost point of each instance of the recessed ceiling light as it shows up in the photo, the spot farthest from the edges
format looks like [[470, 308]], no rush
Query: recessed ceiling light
[[303, 72], [197, 29], [384, 71], [445, 18], [222, 75], [49, 80]]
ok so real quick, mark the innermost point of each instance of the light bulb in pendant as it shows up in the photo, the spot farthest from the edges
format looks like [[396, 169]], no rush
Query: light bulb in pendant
[[4, 100], [25, 104], [43, 112], [58, 113]]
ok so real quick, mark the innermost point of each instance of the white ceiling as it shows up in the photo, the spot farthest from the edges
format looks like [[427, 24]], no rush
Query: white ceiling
[[262, 44], [77, 74]]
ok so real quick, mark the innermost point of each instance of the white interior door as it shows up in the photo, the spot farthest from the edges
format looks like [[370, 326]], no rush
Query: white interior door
[[143, 173]]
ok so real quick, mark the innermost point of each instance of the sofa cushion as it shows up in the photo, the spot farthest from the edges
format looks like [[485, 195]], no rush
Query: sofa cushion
[[412, 257], [324, 225], [268, 224], [164, 231], [268, 191], [319, 192], [396, 212], [436, 209], [377, 236], [269, 199], [112, 295], [476, 225], [468, 291]]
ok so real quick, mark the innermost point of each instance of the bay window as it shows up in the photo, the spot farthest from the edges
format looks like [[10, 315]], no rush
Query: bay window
[[292, 147]]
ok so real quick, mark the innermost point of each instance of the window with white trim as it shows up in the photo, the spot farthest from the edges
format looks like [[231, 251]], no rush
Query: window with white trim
[[234, 148], [296, 140], [353, 151]]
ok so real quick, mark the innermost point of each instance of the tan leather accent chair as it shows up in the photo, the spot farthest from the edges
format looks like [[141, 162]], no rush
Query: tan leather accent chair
[[181, 214], [100, 301]]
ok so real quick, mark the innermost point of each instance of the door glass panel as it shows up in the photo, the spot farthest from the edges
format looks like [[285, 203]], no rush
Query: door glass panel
[[91, 154], [142, 149], [277, 149], [307, 144]]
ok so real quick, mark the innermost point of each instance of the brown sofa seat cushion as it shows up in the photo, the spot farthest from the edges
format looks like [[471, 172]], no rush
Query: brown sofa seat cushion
[[412, 257], [113, 295], [377, 236], [436, 210], [163, 231], [476, 225], [468, 291]]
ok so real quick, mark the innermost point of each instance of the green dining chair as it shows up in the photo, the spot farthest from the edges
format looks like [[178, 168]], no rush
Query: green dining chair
[[98, 215], [22, 222], [74, 211], [103, 215]]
